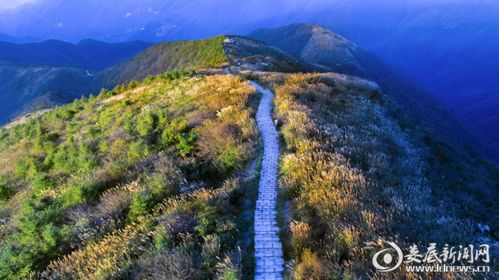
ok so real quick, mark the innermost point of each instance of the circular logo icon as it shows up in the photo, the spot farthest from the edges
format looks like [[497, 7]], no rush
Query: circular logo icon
[[388, 259]]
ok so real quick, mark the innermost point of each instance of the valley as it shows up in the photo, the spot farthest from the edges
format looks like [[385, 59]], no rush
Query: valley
[[41, 75]]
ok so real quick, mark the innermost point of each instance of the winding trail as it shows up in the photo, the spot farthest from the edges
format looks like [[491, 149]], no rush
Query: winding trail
[[268, 247]]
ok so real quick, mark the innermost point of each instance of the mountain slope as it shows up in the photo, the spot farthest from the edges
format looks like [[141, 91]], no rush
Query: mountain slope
[[450, 49], [142, 177], [315, 45], [87, 54], [11, 39], [25, 87], [40, 75], [186, 55], [152, 166], [28, 86], [212, 53], [354, 175], [247, 54], [331, 52], [19, 81]]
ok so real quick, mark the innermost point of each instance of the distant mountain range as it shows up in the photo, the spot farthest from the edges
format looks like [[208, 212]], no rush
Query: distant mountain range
[[297, 47], [40, 75], [11, 39], [87, 54], [28, 87], [458, 63]]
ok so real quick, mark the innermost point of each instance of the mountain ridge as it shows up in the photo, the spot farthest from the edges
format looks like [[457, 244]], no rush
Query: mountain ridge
[[415, 100], [154, 60], [315, 48], [88, 54]]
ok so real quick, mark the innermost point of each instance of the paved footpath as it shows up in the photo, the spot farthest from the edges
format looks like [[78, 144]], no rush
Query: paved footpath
[[268, 248]]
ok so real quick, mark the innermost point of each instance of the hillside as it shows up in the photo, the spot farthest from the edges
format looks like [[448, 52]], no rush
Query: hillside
[[41, 75], [331, 52], [25, 87], [129, 181], [212, 53], [148, 181], [87, 54], [353, 174], [447, 50], [10, 39], [31, 86], [247, 54], [463, 79], [186, 55], [311, 43]]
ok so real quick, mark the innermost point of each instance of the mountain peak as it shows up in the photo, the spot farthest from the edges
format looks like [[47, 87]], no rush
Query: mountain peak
[[316, 45]]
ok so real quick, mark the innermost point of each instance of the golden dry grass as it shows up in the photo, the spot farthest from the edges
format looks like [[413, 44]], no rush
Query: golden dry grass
[[351, 173]]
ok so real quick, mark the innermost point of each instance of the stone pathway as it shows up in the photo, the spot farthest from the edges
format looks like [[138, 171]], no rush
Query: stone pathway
[[268, 248]]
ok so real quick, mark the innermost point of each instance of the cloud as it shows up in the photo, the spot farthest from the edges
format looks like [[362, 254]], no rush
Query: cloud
[[12, 4]]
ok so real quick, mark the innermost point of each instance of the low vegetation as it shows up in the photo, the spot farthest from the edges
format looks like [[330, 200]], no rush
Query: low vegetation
[[139, 182], [351, 177], [184, 55]]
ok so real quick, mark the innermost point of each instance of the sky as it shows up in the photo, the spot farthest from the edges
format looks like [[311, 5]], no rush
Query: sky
[[11, 4]]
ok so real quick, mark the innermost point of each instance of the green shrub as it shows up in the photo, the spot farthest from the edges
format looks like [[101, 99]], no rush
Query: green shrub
[[186, 143], [147, 123], [206, 216], [28, 168], [160, 186], [133, 85], [42, 181], [73, 196], [86, 158], [136, 151], [141, 204], [231, 158], [156, 187], [5, 191], [172, 132], [103, 146]]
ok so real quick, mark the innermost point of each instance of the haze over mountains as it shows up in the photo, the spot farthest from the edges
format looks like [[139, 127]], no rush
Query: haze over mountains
[[88, 54], [40, 75]]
